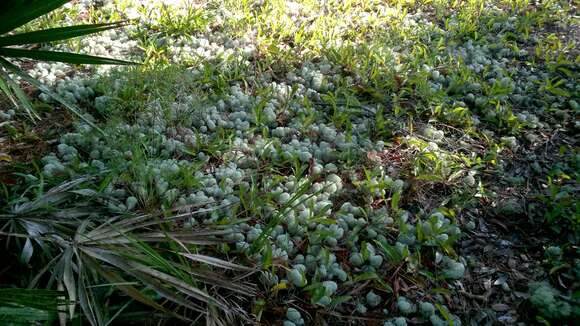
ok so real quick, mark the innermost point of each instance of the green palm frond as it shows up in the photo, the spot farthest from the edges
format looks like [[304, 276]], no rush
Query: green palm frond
[[57, 34], [16, 13], [65, 57]]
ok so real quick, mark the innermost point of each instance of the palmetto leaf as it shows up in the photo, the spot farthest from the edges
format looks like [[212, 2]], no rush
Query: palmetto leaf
[[53, 196], [115, 230], [149, 276], [131, 254], [15, 13], [57, 34], [87, 301], [69, 280], [186, 237], [86, 298], [66, 57], [216, 262], [11, 89], [123, 285]]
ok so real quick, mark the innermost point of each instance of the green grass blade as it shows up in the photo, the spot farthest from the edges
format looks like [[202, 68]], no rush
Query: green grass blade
[[21, 101], [8, 65], [16, 13], [73, 58], [179, 284], [7, 91], [293, 202], [57, 34], [118, 313]]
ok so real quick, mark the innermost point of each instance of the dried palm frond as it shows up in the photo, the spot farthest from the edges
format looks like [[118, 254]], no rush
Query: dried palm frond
[[135, 254]]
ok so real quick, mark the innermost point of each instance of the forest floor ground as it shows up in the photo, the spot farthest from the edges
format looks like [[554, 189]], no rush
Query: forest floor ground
[[377, 162]]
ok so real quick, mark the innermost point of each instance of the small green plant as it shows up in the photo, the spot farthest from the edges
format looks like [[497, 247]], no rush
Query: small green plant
[[562, 209], [551, 304]]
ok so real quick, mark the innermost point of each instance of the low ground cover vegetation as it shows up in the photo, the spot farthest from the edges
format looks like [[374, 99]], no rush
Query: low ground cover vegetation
[[299, 163]]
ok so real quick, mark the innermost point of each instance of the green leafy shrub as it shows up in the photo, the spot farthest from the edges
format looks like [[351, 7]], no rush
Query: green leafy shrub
[[551, 304]]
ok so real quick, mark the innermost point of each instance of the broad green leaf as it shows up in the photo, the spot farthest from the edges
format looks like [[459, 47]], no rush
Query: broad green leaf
[[57, 34], [267, 256], [559, 91], [392, 253], [16, 13], [318, 293], [323, 220], [365, 277], [66, 57], [395, 199]]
